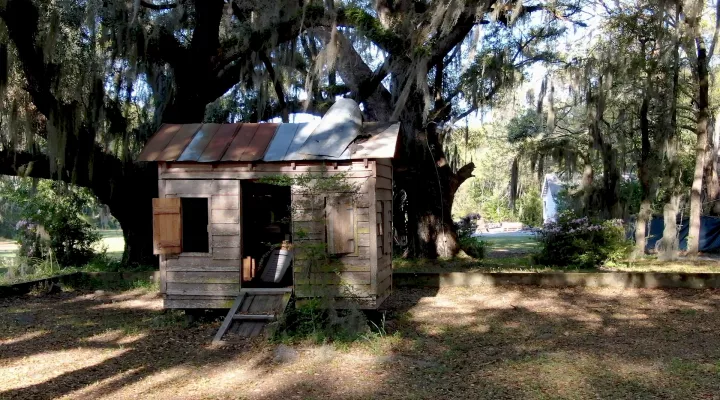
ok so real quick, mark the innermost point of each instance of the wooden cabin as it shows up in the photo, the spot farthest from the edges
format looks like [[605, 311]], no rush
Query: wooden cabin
[[228, 215]]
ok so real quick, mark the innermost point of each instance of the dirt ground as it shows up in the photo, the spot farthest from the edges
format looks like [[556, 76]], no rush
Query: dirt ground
[[499, 343]]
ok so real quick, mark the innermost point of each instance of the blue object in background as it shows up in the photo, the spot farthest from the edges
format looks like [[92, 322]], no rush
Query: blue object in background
[[709, 233]]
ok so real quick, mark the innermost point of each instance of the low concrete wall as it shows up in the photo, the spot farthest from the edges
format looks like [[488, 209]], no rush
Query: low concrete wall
[[620, 280], [642, 280], [110, 277], [17, 289]]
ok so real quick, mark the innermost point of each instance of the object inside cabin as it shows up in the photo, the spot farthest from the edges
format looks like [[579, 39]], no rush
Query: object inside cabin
[[266, 220]]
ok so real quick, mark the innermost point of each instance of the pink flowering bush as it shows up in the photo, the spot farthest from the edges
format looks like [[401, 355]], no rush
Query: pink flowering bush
[[579, 242]]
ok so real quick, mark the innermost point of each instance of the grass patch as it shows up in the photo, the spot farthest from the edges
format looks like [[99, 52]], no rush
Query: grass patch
[[112, 243], [521, 244], [8, 248], [85, 282], [652, 264], [314, 321]]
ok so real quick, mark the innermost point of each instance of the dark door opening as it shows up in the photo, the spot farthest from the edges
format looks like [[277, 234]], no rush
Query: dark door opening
[[266, 217], [195, 237]]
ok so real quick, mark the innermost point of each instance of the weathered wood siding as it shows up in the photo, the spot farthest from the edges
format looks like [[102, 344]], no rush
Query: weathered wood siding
[[204, 280], [384, 212], [212, 280], [349, 274]]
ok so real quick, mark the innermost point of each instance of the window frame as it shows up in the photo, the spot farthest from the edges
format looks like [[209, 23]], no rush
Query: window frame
[[209, 233]]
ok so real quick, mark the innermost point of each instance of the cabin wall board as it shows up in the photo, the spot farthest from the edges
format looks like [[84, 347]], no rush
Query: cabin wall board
[[384, 201], [162, 258], [372, 221], [354, 169]]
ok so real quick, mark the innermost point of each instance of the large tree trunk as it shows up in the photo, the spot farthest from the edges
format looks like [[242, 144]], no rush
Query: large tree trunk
[[645, 177], [702, 115], [610, 201], [425, 177], [668, 246], [425, 185], [710, 175], [131, 205]]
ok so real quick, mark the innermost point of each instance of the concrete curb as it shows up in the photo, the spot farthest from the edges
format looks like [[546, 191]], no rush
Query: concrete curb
[[620, 280]]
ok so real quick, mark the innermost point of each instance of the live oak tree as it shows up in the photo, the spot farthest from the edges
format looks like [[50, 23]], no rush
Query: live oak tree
[[84, 84]]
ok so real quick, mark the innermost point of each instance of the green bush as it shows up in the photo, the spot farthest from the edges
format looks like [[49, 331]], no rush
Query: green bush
[[581, 242], [53, 224], [473, 247], [320, 322], [530, 210]]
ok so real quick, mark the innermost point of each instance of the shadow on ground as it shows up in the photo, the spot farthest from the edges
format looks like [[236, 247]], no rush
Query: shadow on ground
[[511, 342]]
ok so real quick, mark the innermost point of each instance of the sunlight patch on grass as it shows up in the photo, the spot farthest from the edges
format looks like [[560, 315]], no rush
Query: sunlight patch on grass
[[42, 367], [115, 336], [24, 337], [112, 242]]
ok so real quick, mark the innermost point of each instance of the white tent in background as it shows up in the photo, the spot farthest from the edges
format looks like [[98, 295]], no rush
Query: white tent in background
[[550, 188]]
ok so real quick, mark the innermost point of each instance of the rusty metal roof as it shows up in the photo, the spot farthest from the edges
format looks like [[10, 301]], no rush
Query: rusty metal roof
[[340, 135]]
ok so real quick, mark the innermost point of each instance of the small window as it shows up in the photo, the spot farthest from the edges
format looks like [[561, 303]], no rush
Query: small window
[[195, 225]]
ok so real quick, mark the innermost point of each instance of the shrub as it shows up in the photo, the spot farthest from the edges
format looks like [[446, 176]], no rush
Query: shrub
[[318, 321], [467, 225], [473, 247], [581, 242], [465, 228], [53, 224]]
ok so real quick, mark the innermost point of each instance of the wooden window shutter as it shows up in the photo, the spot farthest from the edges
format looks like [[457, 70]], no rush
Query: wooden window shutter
[[167, 226], [340, 225]]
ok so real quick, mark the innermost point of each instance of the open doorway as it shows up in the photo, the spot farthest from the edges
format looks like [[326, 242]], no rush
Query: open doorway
[[266, 223]]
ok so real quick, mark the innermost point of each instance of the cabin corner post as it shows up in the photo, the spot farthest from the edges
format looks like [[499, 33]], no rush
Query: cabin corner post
[[373, 224], [162, 258]]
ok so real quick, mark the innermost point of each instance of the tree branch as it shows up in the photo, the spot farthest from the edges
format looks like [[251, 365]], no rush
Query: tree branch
[[716, 31], [279, 92], [368, 87], [461, 176], [355, 72], [158, 7]]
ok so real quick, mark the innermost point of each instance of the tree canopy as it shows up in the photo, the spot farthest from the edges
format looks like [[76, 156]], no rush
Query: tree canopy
[[83, 85]]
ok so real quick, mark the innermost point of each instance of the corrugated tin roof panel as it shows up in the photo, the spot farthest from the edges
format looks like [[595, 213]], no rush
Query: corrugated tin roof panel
[[259, 143], [178, 143], [340, 135], [300, 137], [158, 142], [239, 144], [281, 143], [338, 128], [219, 143], [381, 143], [200, 141]]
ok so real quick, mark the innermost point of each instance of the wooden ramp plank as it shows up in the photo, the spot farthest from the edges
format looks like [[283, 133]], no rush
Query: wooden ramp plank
[[256, 329], [246, 304], [229, 317], [260, 304], [251, 317], [245, 328]]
